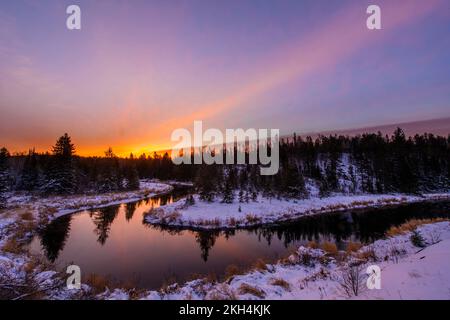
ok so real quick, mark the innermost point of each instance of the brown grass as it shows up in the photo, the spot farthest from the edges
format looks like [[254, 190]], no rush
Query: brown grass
[[248, 289], [330, 248], [222, 292], [98, 282], [260, 265], [411, 225], [353, 246], [26, 216], [313, 245], [281, 283], [367, 254], [252, 219], [231, 271], [13, 246]]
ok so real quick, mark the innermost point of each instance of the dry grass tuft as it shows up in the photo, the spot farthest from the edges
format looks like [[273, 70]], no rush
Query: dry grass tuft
[[260, 265], [231, 271], [330, 248], [353, 246], [98, 283], [313, 245], [281, 283], [411, 225], [26, 216], [13, 246], [248, 289], [252, 219]]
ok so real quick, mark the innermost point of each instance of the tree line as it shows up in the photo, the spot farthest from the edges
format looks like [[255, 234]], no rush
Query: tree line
[[367, 163]]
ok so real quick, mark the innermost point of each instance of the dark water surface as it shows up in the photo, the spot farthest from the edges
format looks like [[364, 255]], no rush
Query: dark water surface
[[115, 242]]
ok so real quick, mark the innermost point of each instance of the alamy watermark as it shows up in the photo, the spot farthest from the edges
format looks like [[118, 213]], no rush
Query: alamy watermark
[[237, 146], [374, 277], [73, 281]]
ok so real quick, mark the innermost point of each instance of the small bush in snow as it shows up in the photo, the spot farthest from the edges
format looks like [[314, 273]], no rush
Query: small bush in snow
[[417, 239]]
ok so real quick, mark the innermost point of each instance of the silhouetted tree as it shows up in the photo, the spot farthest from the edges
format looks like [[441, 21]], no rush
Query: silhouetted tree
[[4, 180], [60, 174]]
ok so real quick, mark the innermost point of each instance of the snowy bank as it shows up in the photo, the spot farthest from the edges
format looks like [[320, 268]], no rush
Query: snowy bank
[[56, 206], [407, 272], [216, 215]]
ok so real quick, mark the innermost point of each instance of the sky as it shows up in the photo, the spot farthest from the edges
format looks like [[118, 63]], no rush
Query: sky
[[137, 70]]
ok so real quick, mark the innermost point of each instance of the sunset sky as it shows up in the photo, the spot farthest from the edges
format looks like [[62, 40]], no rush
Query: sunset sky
[[137, 70]]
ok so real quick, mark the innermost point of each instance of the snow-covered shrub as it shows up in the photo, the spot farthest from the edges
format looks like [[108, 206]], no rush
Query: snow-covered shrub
[[417, 239]]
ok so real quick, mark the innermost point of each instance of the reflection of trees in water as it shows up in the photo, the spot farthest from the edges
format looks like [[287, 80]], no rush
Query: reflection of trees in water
[[206, 240], [54, 237], [103, 218], [362, 225], [130, 208]]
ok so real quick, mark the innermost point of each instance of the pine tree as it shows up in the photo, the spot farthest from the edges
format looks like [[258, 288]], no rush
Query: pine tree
[[241, 196], [60, 175], [131, 178], [4, 155], [190, 201], [228, 191], [30, 172], [205, 182]]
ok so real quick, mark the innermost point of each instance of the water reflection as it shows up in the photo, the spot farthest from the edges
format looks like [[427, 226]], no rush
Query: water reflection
[[116, 241]]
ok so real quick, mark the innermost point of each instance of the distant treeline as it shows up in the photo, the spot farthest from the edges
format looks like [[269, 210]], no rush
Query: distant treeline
[[368, 163]]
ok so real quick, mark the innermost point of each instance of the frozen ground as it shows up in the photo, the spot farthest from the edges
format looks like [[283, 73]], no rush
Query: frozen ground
[[59, 205], [21, 273], [212, 215], [407, 272]]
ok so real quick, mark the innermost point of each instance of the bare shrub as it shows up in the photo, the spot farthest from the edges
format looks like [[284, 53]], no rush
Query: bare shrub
[[435, 237], [352, 280], [395, 253]]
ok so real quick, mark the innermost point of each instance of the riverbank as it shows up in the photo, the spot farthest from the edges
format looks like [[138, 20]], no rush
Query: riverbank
[[410, 269], [56, 206], [25, 276], [217, 215]]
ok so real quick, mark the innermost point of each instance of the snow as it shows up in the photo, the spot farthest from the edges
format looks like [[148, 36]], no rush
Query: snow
[[407, 275], [217, 215], [416, 274], [61, 205]]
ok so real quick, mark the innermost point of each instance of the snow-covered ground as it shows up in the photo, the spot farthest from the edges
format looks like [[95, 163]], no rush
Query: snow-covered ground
[[21, 273], [216, 215], [60, 205], [407, 272]]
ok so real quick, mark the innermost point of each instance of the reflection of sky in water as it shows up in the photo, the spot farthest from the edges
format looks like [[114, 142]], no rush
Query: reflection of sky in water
[[148, 255]]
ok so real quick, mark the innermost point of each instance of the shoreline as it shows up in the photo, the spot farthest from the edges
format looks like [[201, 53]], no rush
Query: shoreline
[[180, 216]]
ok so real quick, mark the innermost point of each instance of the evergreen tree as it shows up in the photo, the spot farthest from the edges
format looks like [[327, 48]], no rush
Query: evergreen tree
[[30, 172], [60, 175], [205, 182], [228, 190], [131, 178], [4, 179]]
